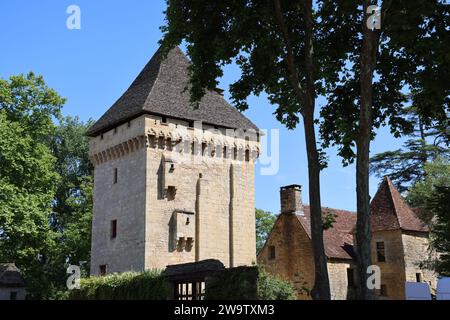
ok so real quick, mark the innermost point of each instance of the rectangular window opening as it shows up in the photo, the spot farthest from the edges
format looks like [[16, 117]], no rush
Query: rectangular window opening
[[272, 253], [418, 277], [381, 255], [113, 229], [350, 277], [103, 270], [115, 175]]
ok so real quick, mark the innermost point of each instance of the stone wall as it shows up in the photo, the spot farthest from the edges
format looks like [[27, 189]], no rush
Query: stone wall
[[123, 201], [5, 293], [293, 254], [183, 194], [415, 246], [337, 273], [393, 269]]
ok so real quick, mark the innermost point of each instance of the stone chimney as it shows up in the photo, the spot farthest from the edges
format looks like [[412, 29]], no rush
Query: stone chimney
[[291, 199]]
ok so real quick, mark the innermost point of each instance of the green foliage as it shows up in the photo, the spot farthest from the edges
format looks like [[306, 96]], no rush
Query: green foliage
[[45, 185], [27, 178], [328, 218], [407, 72], [405, 166], [264, 224], [149, 285], [233, 284], [432, 195], [437, 174], [73, 200], [248, 283], [271, 287], [440, 234]]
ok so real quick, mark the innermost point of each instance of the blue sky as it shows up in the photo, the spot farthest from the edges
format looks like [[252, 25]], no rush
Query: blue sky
[[93, 66]]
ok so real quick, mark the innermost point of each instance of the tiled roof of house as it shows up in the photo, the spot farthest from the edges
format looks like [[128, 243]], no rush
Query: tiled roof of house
[[390, 212], [338, 240], [160, 89], [10, 276]]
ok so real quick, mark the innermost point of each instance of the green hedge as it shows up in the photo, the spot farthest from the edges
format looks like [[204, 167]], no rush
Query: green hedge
[[272, 287], [236, 283], [149, 285], [248, 283]]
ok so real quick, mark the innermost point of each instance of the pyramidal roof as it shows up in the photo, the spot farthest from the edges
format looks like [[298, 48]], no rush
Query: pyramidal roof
[[160, 90], [389, 211]]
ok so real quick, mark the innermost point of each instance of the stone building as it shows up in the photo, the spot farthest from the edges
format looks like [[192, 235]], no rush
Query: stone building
[[172, 183], [399, 244], [12, 285]]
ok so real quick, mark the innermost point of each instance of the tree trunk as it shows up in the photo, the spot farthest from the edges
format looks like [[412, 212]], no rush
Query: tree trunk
[[306, 99], [363, 230], [321, 289]]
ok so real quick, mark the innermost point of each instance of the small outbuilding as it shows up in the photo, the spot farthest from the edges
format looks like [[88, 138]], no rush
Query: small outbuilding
[[12, 285]]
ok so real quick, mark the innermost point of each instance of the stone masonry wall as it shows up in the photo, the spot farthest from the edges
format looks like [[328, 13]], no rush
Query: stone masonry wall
[[393, 269], [123, 201], [415, 247], [337, 273], [169, 180], [293, 254]]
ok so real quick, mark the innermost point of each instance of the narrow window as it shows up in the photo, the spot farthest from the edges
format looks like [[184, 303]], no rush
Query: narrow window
[[383, 290], [271, 252], [381, 256], [171, 192], [204, 148], [247, 155], [101, 136], [113, 229], [13, 295], [164, 120], [235, 153], [350, 278], [193, 148], [224, 152], [418, 277], [103, 270], [115, 176]]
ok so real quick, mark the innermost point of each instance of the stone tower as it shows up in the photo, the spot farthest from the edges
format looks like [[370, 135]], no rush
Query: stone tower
[[172, 183]]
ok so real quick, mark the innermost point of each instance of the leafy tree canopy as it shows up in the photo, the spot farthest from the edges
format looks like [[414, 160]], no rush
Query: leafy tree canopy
[[264, 224]]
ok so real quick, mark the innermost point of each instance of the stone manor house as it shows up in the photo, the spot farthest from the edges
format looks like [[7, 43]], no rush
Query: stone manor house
[[399, 244], [172, 183]]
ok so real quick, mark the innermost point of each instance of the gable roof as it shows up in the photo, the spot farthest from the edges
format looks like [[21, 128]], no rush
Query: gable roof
[[10, 276], [389, 211], [159, 89], [338, 240]]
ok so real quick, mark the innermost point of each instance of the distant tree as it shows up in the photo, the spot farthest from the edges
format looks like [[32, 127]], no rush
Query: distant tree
[[432, 195], [264, 224], [405, 166], [72, 205], [45, 185], [28, 179]]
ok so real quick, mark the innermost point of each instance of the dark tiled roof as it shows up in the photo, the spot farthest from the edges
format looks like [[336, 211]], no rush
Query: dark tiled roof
[[390, 212], [160, 89], [338, 240], [10, 275]]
